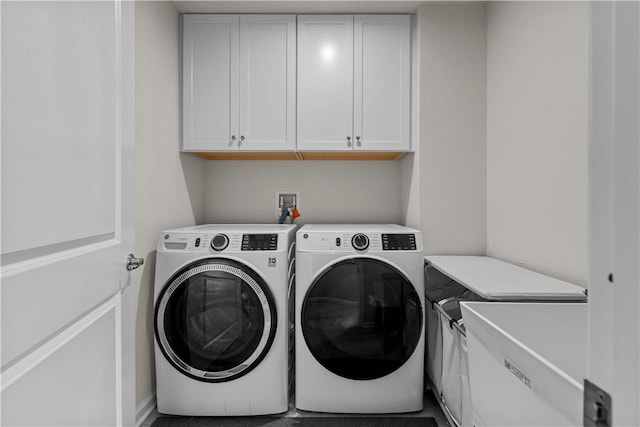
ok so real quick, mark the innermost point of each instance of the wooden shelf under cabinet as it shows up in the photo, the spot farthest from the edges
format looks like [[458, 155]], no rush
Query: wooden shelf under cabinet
[[350, 155], [247, 155], [301, 155]]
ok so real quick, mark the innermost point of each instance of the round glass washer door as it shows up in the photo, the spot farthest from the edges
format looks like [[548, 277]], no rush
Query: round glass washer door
[[215, 320], [361, 319]]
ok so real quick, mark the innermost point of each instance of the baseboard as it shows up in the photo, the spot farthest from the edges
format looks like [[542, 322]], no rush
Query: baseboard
[[145, 409]]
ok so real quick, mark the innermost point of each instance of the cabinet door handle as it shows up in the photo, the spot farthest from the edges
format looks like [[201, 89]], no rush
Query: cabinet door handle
[[233, 138], [358, 141], [241, 140], [348, 141]]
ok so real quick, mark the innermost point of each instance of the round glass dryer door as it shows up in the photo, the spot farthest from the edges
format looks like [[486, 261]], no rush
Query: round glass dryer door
[[215, 320], [361, 319]]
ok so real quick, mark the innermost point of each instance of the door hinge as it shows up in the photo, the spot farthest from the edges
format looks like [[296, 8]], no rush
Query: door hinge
[[597, 406]]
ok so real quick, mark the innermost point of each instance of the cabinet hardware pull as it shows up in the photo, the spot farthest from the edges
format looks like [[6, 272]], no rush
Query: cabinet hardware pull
[[358, 141], [348, 141], [241, 140]]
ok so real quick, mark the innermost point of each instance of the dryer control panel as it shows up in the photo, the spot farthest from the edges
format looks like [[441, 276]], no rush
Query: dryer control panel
[[356, 242]]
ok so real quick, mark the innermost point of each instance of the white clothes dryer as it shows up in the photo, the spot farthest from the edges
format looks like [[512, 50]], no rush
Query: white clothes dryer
[[222, 319], [359, 317]]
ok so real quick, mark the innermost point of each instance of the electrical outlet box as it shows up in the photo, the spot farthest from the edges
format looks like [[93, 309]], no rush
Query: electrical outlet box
[[285, 200]]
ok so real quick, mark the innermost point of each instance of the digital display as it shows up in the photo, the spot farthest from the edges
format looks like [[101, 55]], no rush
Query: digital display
[[259, 242], [399, 242]]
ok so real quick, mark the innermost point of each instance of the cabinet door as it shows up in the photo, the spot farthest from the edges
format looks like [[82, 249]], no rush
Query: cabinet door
[[210, 82], [267, 82], [382, 70], [325, 82]]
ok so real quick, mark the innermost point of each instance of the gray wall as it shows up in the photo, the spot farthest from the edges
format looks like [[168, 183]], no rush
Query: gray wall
[[451, 158], [330, 191], [169, 185], [537, 131]]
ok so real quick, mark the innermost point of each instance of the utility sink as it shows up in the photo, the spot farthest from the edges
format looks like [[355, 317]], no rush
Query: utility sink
[[527, 362]]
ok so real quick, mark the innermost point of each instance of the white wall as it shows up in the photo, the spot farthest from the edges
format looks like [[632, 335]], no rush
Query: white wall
[[451, 156], [537, 108], [330, 191], [410, 193], [410, 163], [169, 184]]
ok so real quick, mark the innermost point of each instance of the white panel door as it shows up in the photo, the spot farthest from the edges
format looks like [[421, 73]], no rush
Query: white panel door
[[614, 181], [382, 70], [325, 82], [267, 82], [67, 316], [210, 82]]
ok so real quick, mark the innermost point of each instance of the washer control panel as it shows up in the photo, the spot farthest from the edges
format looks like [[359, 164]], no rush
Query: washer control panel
[[218, 242], [259, 242], [399, 242]]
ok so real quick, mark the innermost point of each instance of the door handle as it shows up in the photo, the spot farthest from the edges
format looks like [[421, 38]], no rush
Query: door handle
[[133, 262]]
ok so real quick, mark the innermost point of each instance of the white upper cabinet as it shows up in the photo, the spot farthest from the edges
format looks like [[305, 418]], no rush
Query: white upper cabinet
[[238, 83], [268, 82], [325, 82], [354, 83], [210, 50], [382, 86]]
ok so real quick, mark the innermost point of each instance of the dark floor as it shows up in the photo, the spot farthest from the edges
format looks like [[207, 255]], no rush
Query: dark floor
[[431, 409]]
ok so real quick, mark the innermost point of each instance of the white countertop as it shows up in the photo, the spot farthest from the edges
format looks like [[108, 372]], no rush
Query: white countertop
[[497, 280]]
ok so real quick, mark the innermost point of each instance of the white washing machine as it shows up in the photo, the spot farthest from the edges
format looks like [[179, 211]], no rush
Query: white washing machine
[[359, 298], [222, 319]]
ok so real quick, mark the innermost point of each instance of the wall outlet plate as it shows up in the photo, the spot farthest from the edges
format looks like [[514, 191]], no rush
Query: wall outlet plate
[[286, 199]]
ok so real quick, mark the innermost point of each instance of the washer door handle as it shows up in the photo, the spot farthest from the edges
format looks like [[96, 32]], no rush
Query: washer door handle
[[133, 262]]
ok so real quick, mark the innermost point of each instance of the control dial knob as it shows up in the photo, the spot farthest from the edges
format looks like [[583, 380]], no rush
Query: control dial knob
[[219, 242], [360, 241]]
